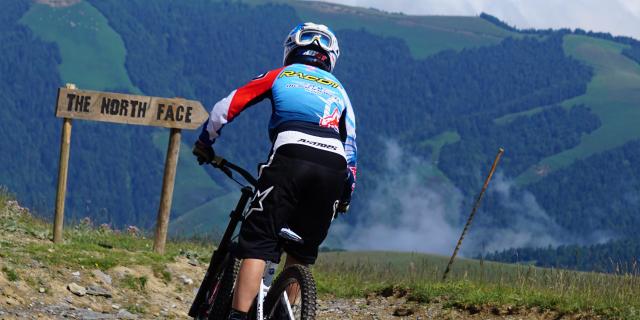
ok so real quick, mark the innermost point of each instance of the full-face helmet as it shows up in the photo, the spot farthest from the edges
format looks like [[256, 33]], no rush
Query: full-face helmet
[[313, 44]]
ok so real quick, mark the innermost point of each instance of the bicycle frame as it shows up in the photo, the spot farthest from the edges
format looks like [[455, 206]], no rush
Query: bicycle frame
[[217, 258]]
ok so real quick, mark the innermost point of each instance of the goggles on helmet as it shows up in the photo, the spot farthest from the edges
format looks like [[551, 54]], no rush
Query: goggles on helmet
[[307, 37]]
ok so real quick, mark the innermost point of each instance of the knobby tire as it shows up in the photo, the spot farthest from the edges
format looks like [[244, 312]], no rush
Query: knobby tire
[[222, 303], [292, 274], [224, 282]]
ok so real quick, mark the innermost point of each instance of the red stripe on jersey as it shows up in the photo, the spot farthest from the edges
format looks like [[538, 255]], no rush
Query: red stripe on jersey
[[250, 91]]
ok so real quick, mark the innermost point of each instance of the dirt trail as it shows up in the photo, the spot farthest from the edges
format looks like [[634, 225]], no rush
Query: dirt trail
[[30, 289]]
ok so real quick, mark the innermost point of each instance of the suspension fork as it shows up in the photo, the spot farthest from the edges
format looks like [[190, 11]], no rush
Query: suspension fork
[[218, 256]]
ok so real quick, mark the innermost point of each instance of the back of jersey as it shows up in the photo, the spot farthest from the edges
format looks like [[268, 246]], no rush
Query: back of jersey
[[309, 94]]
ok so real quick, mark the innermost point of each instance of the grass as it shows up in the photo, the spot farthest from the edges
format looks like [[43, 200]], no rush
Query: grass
[[138, 284], [613, 95], [479, 284], [93, 54], [506, 119], [11, 274], [136, 309], [104, 250], [472, 285], [86, 246], [436, 143]]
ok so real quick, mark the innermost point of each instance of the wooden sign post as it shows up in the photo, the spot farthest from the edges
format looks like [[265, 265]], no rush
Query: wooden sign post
[[176, 114], [65, 144], [168, 181]]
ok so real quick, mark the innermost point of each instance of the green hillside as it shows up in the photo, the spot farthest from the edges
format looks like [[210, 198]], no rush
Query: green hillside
[[613, 94], [448, 91], [193, 187], [424, 35], [93, 55]]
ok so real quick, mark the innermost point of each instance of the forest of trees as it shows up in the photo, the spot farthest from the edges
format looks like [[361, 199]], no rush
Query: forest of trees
[[450, 90], [611, 179], [397, 97], [601, 35], [31, 137], [633, 53], [28, 68], [617, 256]]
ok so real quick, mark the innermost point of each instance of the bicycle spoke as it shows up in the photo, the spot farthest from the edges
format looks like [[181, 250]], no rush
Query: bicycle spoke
[[294, 298], [293, 293]]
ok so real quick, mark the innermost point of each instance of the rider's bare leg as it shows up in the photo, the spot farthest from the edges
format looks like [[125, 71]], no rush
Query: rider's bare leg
[[248, 283], [293, 290]]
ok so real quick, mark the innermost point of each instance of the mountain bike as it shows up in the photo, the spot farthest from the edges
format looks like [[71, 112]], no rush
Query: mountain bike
[[292, 296]]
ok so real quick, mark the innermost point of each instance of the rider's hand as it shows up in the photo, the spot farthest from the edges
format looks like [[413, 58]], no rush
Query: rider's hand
[[345, 200], [203, 152]]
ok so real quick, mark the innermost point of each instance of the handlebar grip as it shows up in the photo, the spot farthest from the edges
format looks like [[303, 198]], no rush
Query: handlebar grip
[[226, 167]]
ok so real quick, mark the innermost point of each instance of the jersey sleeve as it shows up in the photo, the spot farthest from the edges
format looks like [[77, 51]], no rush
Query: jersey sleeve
[[350, 147], [225, 110]]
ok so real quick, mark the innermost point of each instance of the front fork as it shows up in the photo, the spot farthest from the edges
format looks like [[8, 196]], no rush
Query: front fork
[[267, 280]]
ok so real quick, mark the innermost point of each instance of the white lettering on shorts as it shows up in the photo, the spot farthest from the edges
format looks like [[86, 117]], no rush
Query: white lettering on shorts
[[327, 144]]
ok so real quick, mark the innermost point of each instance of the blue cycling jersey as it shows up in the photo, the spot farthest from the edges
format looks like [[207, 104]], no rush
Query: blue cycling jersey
[[300, 94]]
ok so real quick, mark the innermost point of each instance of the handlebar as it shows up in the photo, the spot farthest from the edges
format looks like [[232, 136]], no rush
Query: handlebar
[[226, 167]]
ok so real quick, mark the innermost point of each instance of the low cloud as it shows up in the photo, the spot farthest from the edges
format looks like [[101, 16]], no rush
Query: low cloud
[[409, 212], [528, 223], [406, 212]]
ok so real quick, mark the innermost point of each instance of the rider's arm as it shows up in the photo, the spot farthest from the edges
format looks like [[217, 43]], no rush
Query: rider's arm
[[350, 148], [228, 108]]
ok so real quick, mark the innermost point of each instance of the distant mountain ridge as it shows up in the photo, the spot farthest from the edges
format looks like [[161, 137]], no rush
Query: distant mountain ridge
[[448, 90]]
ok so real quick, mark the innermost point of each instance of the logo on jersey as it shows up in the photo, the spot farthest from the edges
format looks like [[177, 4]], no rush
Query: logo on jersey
[[331, 120], [326, 82]]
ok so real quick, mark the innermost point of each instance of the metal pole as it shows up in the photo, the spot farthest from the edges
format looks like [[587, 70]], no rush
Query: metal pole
[[473, 212], [166, 197], [63, 169]]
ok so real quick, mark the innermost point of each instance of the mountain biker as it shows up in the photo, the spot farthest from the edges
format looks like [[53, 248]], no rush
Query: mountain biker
[[311, 170]]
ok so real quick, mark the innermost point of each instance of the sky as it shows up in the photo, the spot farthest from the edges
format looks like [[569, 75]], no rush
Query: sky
[[619, 17]]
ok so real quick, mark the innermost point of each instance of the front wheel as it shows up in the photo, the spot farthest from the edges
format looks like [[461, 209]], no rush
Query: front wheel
[[219, 291], [297, 284], [222, 302]]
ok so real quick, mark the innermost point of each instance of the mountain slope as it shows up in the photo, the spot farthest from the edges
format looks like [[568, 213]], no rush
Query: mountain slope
[[425, 36], [448, 91], [92, 53], [612, 94]]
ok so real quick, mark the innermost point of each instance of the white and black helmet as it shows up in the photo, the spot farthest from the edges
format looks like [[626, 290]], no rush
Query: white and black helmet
[[299, 45]]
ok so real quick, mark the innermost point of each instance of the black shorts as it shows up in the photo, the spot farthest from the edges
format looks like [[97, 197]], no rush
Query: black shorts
[[299, 188]]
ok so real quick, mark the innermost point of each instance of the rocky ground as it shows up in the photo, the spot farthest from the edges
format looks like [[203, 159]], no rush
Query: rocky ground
[[93, 295], [381, 308], [30, 289]]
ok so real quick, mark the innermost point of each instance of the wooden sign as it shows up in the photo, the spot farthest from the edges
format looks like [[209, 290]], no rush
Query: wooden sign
[[176, 113]]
